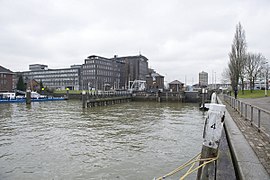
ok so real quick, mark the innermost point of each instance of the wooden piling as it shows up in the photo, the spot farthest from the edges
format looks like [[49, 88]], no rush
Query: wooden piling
[[67, 93], [212, 134], [28, 96], [83, 99]]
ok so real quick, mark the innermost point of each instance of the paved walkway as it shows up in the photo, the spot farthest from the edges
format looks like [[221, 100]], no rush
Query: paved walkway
[[258, 141], [263, 102]]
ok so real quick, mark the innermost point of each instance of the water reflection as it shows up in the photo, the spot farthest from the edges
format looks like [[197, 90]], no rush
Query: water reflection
[[60, 140]]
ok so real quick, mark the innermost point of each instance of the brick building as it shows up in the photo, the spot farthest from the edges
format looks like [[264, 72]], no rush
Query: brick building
[[154, 81], [176, 86], [6, 79]]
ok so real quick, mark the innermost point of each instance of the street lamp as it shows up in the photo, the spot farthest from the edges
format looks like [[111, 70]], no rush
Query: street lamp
[[215, 81], [266, 79]]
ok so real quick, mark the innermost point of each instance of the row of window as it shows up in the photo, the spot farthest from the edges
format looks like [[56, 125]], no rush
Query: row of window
[[67, 71], [3, 75], [100, 78], [64, 83], [53, 76], [57, 80], [105, 67], [107, 73], [3, 82], [87, 72], [106, 62], [88, 66], [87, 77]]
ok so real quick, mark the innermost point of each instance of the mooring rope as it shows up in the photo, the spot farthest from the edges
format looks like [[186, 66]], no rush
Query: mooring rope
[[190, 163]]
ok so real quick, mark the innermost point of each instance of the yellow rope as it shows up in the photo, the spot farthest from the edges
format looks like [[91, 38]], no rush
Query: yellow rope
[[179, 168], [191, 162], [208, 160]]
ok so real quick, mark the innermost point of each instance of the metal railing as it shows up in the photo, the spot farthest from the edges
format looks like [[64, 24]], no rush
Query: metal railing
[[107, 94], [258, 117]]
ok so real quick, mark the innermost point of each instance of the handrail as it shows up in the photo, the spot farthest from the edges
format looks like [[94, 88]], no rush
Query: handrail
[[242, 108]]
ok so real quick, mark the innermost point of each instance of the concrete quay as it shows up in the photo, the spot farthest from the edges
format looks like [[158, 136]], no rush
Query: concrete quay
[[250, 148]]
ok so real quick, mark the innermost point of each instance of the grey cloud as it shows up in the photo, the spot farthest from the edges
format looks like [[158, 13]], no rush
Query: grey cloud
[[180, 38]]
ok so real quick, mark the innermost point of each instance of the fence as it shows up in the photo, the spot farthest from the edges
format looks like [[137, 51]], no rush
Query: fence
[[106, 94], [258, 117]]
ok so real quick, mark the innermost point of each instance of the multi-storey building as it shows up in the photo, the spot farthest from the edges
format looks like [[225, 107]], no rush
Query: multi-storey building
[[6, 79], [203, 79], [135, 68], [54, 78], [96, 73], [113, 73], [101, 73]]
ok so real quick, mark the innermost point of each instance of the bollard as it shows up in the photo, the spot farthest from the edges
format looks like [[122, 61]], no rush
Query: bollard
[[259, 120], [212, 134], [251, 115], [28, 96], [67, 93], [245, 111], [203, 98], [159, 96], [214, 98], [83, 99]]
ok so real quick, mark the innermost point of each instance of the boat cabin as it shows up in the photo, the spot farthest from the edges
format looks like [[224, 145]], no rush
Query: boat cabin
[[7, 95]]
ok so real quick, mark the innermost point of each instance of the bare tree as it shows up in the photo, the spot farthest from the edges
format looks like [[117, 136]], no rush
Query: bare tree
[[254, 65], [237, 58], [225, 75]]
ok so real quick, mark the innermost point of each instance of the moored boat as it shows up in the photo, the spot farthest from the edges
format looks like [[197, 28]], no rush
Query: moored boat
[[9, 97]]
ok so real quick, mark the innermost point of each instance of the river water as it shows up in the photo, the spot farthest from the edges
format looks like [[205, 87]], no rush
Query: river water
[[60, 140]]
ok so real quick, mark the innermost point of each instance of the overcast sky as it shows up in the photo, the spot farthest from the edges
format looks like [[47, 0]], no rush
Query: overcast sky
[[180, 38]]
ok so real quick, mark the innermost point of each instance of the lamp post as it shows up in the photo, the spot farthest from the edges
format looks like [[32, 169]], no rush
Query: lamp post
[[215, 81], [266, 80]]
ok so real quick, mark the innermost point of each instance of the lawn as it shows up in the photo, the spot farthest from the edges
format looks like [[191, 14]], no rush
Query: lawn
[[70, 91], [254, 94], [65, 91]]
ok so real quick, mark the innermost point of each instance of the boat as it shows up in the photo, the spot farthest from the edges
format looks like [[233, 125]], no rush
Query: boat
[[205, 107], [9, 97]]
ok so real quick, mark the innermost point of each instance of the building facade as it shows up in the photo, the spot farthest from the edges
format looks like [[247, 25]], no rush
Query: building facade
[[203, 79], [6, 79], [154, 81], [101, 73], [57, 79], [113, 73], [38, 67], [176, 86], [97, 72], [135, 68]]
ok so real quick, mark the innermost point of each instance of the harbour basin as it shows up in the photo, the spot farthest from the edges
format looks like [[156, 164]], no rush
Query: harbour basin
[[61, 140]]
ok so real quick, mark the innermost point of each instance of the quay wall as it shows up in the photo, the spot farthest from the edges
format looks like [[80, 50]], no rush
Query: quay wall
[[246, 163], [184, 96]]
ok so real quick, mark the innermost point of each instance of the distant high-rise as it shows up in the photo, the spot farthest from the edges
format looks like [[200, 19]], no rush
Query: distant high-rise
[[203, 79]]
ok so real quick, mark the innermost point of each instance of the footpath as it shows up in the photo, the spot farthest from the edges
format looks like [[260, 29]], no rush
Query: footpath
[[250, 148]]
